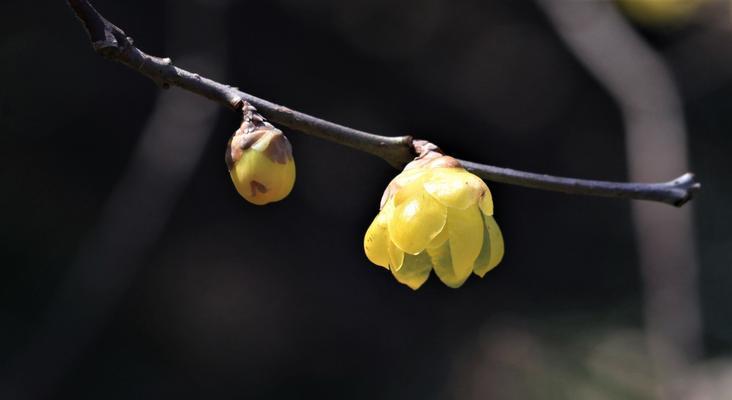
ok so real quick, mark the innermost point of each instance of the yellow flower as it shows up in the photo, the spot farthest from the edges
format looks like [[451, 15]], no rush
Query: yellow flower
[[661, 12], [260, 162], [435, 215]]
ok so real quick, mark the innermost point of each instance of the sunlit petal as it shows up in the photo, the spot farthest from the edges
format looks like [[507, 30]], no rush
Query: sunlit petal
[[454, 187], [400, 181], [416, 222], [410, 185], [465, 229]]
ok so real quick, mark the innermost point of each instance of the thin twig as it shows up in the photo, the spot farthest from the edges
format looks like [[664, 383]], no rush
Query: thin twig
[[112, 43]]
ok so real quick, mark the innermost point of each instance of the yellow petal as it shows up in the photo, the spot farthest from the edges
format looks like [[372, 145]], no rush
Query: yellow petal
[[405, 178], [455, 187], [416, 222], [486, 202], [661, 13], [492, 251], [439, 240], [497, 246], [376, 241], [396, 257], [481, 264], [465, 229], [260, 180], [415, 270], [409, 184], [442, 263]]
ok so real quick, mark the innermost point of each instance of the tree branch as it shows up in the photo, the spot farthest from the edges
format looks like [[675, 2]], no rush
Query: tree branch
[[112, 43]]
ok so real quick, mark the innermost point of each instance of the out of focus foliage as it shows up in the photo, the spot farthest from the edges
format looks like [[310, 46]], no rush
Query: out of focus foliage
[[661, 12]]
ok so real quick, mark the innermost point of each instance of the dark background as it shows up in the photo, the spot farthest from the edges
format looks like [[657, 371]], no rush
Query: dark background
[[196, 293]]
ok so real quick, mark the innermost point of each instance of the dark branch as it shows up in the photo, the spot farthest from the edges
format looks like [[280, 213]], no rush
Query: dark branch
[[112, 43], [675, 192]]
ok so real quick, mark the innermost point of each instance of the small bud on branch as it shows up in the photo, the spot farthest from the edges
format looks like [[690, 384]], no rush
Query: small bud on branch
[[259, 158]]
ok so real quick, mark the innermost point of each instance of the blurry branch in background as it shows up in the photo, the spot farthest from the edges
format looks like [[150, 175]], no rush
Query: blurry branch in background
[[112, 43], [132, 219], [643, 87]]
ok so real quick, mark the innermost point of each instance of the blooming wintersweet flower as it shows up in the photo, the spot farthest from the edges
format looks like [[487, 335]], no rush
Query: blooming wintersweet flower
[[437, 216], [259, 158]]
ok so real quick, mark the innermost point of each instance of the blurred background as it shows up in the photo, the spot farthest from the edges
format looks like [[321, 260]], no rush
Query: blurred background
[[131, 268]]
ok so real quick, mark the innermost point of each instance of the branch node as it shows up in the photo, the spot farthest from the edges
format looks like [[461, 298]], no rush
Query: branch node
[[236, 102], [422, 147], [107, 49]]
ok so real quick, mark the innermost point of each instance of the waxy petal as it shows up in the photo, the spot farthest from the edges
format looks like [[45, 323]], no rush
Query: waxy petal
[[493, 248], [486, 202], [442, 264], [410, 186], [465, 229], [405, 178], [414, 271], [439, 240], [260, 180], [416, 222], [376, 241], [454, 187], [396, 257]]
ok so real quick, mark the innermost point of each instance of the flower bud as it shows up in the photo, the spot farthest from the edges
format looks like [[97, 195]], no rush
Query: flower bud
[[259, 158], [437, 216], [661, 13]]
